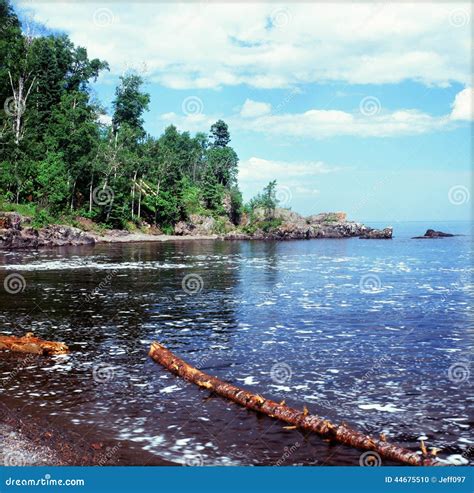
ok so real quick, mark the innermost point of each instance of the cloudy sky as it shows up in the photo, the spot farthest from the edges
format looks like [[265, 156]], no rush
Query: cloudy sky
[[361, 107]]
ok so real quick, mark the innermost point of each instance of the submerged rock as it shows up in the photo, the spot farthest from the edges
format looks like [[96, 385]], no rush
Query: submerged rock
[[431, 233]]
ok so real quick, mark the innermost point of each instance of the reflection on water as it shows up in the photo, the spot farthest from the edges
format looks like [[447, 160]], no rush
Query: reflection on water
[[363, 332]]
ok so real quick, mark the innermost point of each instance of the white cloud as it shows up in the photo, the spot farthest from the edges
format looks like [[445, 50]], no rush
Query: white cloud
[[251, 109], [296, 180], [320, 124], [258, 169], [463, 105], [306, 191], [214, 44], [192, 123]]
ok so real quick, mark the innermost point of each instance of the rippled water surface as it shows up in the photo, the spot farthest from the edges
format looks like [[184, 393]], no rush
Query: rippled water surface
[[373, 333]]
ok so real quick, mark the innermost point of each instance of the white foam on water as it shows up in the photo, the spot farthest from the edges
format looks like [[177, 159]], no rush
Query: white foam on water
[[455, 460], [281, 388], [170, 389], [388, 408], [74, 264], [248, 380]]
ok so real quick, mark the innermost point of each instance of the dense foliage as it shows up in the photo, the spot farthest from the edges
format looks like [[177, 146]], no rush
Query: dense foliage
[[60, 158]]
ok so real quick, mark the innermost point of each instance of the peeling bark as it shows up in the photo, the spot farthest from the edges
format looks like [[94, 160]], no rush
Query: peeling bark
[[31, 344], [300, 419]]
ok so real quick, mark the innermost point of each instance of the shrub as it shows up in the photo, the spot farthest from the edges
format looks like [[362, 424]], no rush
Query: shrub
[[42, 218]]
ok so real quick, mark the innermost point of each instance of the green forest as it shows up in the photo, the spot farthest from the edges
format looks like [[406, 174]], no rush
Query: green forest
[[59, 160]]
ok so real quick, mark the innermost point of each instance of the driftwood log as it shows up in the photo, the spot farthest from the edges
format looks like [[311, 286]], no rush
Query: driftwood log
[[298, 419], [31, 344]]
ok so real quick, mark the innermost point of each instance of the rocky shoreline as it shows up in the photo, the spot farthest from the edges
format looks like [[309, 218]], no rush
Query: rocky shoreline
[[17, 232], [286, 225], [32, 440]]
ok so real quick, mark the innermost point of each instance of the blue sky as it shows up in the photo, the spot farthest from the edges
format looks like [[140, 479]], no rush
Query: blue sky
[[365, 108]]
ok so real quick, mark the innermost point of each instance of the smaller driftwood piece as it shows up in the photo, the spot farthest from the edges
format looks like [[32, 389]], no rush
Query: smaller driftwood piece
[[31, 344]]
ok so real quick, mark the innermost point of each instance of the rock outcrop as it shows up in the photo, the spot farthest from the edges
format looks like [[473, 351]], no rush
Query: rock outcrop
[[377, 234], [16, 232], [338, 217], [292, 226], [196, 225], [431, 233]]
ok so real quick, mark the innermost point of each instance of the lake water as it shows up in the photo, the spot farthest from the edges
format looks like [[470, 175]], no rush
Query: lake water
[[376, 333]]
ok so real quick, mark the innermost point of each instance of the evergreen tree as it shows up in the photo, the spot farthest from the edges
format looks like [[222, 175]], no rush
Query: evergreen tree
[[220, 134]]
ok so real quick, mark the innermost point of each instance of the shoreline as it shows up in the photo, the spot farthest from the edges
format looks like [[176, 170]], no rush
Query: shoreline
[[19, 450], [144, 237], [35, 441], [16, 231]]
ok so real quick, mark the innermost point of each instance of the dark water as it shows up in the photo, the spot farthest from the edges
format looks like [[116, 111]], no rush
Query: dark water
[[374, 333]]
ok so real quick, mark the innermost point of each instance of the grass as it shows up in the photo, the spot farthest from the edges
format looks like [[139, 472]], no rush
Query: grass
[[22, 209]]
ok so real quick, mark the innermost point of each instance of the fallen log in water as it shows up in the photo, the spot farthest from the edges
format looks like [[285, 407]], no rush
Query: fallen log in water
[[31, 344], [301, 419]]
